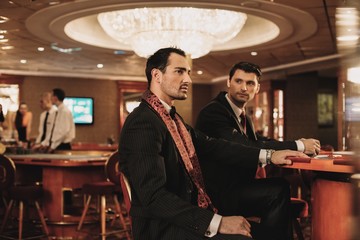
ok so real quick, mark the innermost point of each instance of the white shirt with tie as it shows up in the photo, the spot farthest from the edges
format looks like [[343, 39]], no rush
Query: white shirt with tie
[[64, 129], [49, 125]]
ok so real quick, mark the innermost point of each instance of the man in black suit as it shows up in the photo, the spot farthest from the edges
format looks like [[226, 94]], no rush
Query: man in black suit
[[224, 117], [159, 156], [221, 118]]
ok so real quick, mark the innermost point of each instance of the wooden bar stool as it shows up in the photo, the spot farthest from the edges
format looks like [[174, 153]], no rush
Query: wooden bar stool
[[20, 195], [103, 189]]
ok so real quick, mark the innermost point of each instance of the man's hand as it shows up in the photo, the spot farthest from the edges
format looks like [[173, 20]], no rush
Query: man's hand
[[280, 157], [234, 225], [312, 146]]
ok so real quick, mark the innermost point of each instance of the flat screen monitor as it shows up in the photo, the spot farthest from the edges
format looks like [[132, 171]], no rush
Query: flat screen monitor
[[82, 109]]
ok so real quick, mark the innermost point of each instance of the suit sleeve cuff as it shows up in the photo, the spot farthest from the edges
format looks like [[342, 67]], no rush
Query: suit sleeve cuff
[[300, 145], [214, 226]]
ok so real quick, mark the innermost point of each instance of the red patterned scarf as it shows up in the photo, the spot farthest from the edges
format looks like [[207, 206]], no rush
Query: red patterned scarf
[[184, 145]]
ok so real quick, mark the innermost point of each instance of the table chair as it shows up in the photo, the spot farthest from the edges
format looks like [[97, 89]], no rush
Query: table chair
[[19, 194], [110, 187]]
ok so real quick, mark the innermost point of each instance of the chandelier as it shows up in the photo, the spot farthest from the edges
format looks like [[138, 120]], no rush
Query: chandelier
[[194, 30]]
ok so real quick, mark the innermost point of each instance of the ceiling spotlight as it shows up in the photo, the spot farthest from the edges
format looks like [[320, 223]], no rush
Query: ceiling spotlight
[[23, 61], [3, 19], [199, 72], [4, 40], [100, 65], [8, 47], [254, 53], [40, 49]]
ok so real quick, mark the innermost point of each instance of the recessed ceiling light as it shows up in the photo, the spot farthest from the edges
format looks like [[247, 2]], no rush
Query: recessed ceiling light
[[7, 47], [3, 19], [199, 72], [54, 2], [3, 31], [23, 61], [347, 38], [4, 40], [2, 36], [40, 49], [254, 53], [100, 65]]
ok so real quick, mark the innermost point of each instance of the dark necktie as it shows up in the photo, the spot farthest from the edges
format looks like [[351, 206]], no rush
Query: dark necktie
[[243, 121], [44, 126], [172, 112]]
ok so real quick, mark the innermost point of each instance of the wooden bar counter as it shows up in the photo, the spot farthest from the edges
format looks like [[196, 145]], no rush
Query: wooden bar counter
[[331, 195], [59, 175]]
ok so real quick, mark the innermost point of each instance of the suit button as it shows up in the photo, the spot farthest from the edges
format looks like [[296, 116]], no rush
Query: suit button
[[189, 190], [207, 233], [195, 227]]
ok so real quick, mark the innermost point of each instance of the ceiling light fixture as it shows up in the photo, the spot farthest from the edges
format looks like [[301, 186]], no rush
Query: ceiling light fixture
[[8, 47], [194, 30], [3, 19]]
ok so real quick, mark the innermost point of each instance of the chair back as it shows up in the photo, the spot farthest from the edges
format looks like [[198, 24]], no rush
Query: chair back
[[126, 190], [112, 168], [7, 172]]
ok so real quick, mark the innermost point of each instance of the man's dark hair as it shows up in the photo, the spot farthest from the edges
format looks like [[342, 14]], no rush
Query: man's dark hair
[[59, 93], [159, 60], [246, 67]]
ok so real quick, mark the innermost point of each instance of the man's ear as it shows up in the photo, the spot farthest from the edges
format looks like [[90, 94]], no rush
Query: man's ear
[[228, 82], [258, 89], [156, 75]]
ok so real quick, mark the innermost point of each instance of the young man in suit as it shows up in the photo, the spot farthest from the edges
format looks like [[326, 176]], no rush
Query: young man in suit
[[159, 156], [221, 118], [224, 117]]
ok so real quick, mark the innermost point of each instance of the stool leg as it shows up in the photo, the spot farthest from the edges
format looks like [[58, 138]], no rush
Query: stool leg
[[103, 217], [121, 217], [42, 219], [7, 213], [86, 207], [298, 229], [21, 218]]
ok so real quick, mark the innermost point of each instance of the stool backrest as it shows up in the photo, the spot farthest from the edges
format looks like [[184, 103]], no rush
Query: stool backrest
[[7, 172], [112, 168], [126, 190]]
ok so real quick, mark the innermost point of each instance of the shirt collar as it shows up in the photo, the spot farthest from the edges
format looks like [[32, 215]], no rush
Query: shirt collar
[[167, 106], [238, 111]]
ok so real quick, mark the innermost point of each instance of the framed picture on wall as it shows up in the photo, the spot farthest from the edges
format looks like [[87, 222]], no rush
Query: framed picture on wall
[[325, 104]]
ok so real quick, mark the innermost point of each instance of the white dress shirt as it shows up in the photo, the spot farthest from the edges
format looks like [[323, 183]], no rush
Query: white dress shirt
[[64, 128], [49, 125]]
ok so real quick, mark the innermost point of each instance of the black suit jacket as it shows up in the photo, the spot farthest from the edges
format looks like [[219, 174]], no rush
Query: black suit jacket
[[163, 197], [217, 119]]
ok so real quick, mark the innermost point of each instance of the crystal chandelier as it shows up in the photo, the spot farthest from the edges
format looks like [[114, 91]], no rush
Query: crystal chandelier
[[194, 30]]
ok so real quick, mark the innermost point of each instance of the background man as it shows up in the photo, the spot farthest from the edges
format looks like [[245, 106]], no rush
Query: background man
[[159, 156], [63, 131], [47, 118], [224, 117]]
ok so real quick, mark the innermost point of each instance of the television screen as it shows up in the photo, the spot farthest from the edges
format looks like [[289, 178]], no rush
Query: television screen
[[82, 109]]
